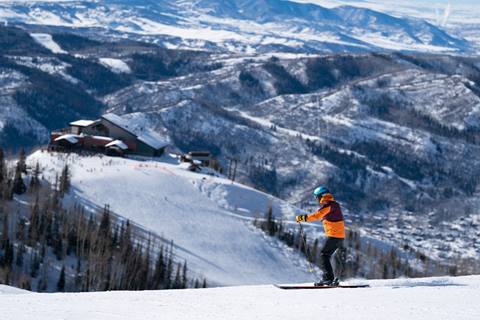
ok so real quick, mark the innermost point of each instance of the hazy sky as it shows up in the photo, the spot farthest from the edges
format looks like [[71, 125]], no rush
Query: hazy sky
[[436, 11]]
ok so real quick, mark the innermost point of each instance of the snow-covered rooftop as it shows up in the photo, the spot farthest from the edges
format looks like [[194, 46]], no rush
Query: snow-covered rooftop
[[102, 138], [72, 138], [153, 139], [118, 143], [82, 123], [118, 121], [147, 136]]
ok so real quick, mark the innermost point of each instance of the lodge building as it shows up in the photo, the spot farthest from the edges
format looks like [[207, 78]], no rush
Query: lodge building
[[111, 135]]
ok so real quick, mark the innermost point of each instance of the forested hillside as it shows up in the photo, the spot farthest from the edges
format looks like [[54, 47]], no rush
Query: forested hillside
[[47, 246]]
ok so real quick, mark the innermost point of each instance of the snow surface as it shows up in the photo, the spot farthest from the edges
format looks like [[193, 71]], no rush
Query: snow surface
[[412, 299], [10, 290], [116, 65], [209, 218], [46, 40]]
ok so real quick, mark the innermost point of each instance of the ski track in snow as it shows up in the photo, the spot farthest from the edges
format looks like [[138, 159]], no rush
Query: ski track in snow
[[412, 299]]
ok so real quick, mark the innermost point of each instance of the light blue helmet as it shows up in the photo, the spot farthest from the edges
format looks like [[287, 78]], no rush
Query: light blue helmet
[[320, 191]]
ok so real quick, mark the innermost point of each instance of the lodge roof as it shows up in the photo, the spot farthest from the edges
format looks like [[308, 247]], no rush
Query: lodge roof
[[72, 138], [82, 123], [118, 143], [148, 137]]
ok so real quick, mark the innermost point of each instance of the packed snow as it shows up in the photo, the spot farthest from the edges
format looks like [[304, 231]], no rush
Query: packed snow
[[208, 217], [412, 299]]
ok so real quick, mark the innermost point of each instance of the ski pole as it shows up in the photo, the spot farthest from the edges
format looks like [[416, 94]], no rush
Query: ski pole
[[310, 266]]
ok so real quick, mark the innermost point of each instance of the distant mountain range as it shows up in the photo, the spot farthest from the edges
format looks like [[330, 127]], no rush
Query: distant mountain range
[[240, 25]]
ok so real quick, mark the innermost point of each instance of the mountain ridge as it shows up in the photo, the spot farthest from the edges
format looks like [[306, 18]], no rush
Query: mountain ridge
[[243, 25]]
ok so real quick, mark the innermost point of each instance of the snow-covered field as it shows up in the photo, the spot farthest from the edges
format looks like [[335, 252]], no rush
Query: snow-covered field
[[412, 299], [209, 218]]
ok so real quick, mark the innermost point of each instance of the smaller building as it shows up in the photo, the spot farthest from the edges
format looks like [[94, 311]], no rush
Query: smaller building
[[77, 127], [203, 158]]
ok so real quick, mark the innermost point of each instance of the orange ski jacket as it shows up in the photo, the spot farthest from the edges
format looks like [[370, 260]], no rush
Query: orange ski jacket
[[331, 216]]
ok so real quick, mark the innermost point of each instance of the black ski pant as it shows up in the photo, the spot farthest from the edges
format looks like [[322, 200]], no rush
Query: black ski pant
[[329, 248]]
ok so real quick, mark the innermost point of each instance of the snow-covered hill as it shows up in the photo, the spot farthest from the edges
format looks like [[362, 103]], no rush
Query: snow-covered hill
[[208, 217], [298, 122], [418, 299], [240, 25]]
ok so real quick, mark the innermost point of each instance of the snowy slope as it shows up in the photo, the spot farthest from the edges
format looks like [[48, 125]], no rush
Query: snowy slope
[[428, 298], [47, 41], [214, 235], [4, 290]]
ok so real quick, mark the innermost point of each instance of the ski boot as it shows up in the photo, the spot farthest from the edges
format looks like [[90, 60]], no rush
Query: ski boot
[[336, 282], [325, 282]]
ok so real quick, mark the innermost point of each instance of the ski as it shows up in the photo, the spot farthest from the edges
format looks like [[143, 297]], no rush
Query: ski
[[293, 287]]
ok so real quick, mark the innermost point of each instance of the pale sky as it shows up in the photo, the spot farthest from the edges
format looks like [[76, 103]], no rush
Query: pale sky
[[456, 11]]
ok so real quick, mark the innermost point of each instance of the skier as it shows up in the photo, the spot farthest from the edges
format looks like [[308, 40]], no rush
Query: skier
[[334, 226]]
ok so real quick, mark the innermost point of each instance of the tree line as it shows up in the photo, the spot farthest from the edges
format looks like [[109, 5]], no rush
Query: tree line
[[363, 258]]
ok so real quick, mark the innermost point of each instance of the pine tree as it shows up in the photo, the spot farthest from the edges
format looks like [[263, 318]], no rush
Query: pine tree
[[385, 271], [104, 228], [19, 186], [78, 275], [184, 275], [20, 252], [160, 270], [43, 282], [35, 265], [126, 241], [22, 161], [271, 227], [61, 281], [169, 271], [177, 282], [35, 179], [33, 228], [64, 184]]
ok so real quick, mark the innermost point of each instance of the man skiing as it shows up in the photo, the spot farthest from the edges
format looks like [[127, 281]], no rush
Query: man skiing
[[334, 226]]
